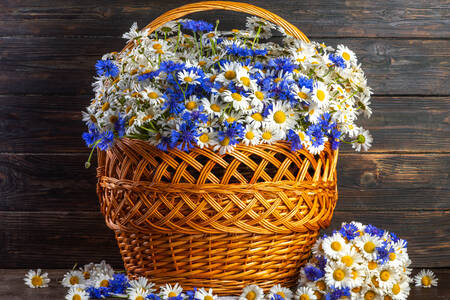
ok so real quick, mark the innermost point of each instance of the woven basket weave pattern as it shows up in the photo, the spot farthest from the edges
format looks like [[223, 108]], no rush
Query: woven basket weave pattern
[[220, 221]]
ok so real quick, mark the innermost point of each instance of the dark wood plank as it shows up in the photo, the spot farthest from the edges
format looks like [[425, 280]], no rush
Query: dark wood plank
[[325, 18], [65, 66], [12, 287], [59, 239], [370, 182], [44, 124]]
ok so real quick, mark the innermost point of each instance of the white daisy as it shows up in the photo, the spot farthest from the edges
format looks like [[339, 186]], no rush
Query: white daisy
[[228, 73], [363, 140], [347, 54], [243, 79], [282, 116], [262, 27], [387, 276], [73, 278], [426, 279], [335, 246], [206, 138], [188, 77], [351, 258], [202, 294], [255, 120], [337, 274], [285, 293], [320, 95], [369, 292], [252, 136], [305, 293], [317, 247], [212, 106], [367, 245], [36, 279], [133, 33], [237, 100], [252, 292], [137, 294], [142, 283], [313, 113], [102, 280], [270, 135], [169, 291], [76, 293], [399, 290]]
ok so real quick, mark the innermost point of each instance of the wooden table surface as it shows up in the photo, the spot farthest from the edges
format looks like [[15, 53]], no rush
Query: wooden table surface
[[12, 287]]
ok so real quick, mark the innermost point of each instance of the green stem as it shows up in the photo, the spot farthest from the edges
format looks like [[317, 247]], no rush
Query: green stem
[[87, 164], [256, 36]]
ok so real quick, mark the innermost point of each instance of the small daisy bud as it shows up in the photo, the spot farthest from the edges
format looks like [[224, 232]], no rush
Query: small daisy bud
[[87, 165]]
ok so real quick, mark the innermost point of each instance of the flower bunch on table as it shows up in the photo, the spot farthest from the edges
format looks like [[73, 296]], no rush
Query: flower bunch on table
[[189, 85], [358, 262]]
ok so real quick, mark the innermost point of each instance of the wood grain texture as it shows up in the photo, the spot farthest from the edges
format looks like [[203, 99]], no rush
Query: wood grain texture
[[63, 238], [402, 182], [65, 66], [46, 124], [330, 18]]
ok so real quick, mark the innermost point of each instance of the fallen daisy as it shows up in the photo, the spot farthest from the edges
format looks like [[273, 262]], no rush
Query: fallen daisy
[[36, 279], [426, 279]]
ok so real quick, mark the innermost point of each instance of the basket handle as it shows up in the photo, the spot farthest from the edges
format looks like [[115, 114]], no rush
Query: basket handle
[[225, 5]]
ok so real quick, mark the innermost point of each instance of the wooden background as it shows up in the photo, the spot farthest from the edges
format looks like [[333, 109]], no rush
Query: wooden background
[[49, 216]]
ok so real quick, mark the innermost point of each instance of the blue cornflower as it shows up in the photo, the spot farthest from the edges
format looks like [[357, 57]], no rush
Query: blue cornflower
[[197, 25], [282, 64], [185, 136], [245, 51], [383, 253], [174, 105], [337, 60], [373, 231], [313, 273], [325, 122], [349, 231], [119, 284], [153, 297], [231, 133], [164, 143], [335, 138], [179, 297], [107, 68], [277, 297], [91, 136], [296, 143], [195, 116], [119, 126], [316, 135], [306, 82], [394, 237], [170, 66], [149, 75], [98, 293], [321, 262], [337, 293], [107, 140], [267, 109], [191, 293]]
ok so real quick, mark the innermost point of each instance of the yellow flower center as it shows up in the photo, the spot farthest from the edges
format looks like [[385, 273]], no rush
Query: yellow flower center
[[93, 118], [396, 289], [385, 275], [245, 81], [320, 95], [375, 281], [207, 297], [105, 106], [336, 246], [231, 119], [302, 95], [104, 283], [338, 274], [347, 260], [204, 138], [387, 297], [369, 295], [160, 51], [210, 35], [356, 289], [426, 280], [279, 117], [236, 96], [249, 135], [346, 56], [354, 274], [250, 295], [74, 280], [202, 63], [235, 30], [230, 74], [311, 112], [257, 117], [372, 265], [212, 78], [321, 285], [282, 295], [191, 105], [147, 117], [215, 107], [276, 80], [157, 46], [318, 295], [369, 247], [225, 141], [139, 298], [259, 95], [222, 89], [76, 297], [392, 256], [172, 294], [37, 281], [131, 121], [304, 297], [152, 95], [188, 79], [267, 135]]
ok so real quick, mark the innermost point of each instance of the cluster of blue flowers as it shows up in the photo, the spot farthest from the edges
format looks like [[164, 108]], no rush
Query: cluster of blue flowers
[[116, 286]]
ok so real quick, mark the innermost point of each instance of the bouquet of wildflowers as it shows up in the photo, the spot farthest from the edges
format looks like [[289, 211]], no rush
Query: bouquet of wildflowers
[[189, 85], [357, 262]]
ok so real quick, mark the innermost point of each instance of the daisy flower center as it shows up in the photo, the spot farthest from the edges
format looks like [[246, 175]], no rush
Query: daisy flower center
[[202, 63], [250, 295], [172, 294], [385, 275], [93, 118], [259, 95], [338, 274], [320, 95], [354, 274], [245, 81], [147, 117], [304, 297], [396, 289], [236, 96], [282, 295], [372, 265], [104, 283], [356, 289], [426, 280], [347, 260], [375, 281], [249, 135], [74, 280], [207, 297], [387, 297], [321, 285], [225, 141], [276, 80], [257, 117], [37, 281], [302, 95], [76, 297], [392, 256], [267, 135], [204, 138], [86, 275], [231, 119], [279, 117], [188, 79], [131, 121], [336, 246], [105, 106], [152, 95], [369, 247], [230, 75], [215, 107], [369, 295], [157, 46], [191, 105], [160, 51], [345, 56]]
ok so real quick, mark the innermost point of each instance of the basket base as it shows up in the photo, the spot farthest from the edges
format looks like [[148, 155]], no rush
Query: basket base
[[224, 262]]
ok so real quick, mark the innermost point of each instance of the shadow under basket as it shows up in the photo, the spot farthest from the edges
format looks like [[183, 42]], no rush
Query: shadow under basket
[[222, 221]]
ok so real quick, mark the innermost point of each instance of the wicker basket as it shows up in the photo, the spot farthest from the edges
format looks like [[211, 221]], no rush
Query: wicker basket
[[209, 220]]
